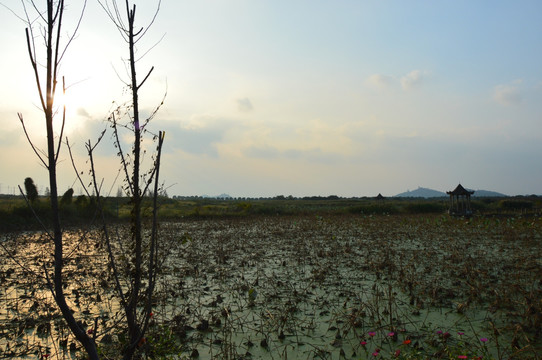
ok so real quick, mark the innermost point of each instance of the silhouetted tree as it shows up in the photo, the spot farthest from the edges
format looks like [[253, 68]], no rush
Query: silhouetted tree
[[141, 268], [67, 197], [31, 189], [50, 22]]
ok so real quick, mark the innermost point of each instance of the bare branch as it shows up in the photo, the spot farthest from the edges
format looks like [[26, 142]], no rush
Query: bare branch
[[35, 215], [155, 111], [75, 168], [30, 141], [150, 48], [153, 253], [115, 17], [152, 21], [55, 59], [118, 286], [146, 77], [40, 13], [76, 30], [121, 154], [118, 75], [63, 121], [13, 12], [32, 55]]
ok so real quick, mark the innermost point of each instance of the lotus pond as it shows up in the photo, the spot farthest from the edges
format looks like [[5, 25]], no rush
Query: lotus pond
[[297, 287]]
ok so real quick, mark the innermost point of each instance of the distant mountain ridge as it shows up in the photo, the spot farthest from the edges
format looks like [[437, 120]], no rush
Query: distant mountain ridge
[[487, 193], [421, 192]]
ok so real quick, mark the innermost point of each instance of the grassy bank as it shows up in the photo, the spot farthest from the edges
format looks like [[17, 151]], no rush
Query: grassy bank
[[15, 214]]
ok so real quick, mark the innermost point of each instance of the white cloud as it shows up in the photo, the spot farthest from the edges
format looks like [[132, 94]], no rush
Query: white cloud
[[508, 94], [244, 105], [409, 81], [380, 81], [412, 79]]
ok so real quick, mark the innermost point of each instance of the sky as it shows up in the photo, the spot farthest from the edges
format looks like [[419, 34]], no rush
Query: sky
[[297, 97]]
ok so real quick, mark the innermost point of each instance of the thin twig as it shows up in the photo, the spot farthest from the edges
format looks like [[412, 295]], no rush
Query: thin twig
[[30, 141]]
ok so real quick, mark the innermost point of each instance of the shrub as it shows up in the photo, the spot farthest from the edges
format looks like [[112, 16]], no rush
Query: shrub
[[515, 204]]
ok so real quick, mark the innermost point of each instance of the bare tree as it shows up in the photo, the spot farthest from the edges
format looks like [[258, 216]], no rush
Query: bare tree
[[135, 293], [50, 22]]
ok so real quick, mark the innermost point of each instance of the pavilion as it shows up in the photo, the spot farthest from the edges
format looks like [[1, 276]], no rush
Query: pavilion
[[460, 201]]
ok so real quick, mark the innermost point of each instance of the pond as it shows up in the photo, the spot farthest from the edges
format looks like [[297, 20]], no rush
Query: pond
[[300, 287]]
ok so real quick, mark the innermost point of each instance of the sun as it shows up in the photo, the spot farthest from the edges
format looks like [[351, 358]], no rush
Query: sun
[[63, 100], [72, 102]]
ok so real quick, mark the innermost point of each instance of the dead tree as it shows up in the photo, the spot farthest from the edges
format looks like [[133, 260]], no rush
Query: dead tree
[[50, 22], [135, 297]]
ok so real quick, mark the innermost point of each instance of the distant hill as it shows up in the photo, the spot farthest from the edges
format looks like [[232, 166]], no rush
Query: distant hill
[[487, 193], [422, 193], [430, 193]]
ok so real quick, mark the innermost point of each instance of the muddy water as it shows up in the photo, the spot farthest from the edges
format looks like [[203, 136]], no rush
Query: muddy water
[[298, 287]]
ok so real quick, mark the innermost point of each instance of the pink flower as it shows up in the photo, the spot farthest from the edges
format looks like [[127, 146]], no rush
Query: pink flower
[[462, 357], [460, 333], [397, 353], [439, 332], [363, 343], [372, 333], [391, 333], [484, 340], [375, 354]]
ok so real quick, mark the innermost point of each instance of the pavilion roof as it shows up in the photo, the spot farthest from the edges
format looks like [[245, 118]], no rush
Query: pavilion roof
[[460, 190]]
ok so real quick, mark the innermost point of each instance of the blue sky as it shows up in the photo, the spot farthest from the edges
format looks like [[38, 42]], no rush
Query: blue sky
[[349, 98]]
